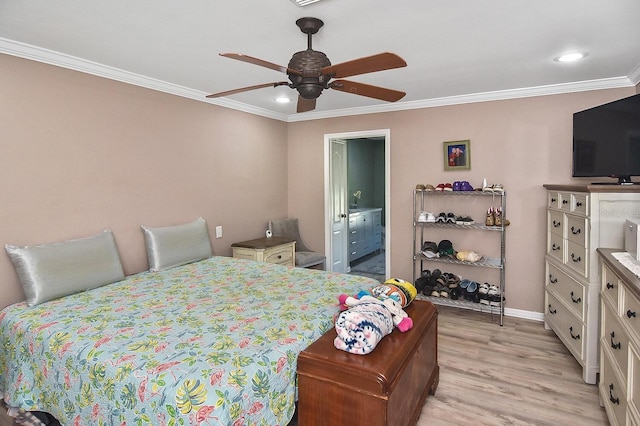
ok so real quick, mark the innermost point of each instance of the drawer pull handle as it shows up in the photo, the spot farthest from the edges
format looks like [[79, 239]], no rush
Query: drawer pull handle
[[552, 311], [557, 224], [614, 345], [279, 256], [578, 203], [553, 200], [574, 258], [564, 202], [610, 286], [574, 231], [552, 280], [578, 300], [611, 398], [554, 247], [576, 337], [630, 313]]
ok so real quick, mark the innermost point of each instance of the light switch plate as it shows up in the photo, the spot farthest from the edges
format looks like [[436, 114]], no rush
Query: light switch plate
[[218, 231]]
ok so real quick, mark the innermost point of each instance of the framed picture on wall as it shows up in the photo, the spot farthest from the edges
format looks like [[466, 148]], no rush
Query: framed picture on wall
[[457, 155]]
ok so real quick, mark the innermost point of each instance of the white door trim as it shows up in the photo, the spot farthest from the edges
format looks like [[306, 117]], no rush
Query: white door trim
[[386, 133]]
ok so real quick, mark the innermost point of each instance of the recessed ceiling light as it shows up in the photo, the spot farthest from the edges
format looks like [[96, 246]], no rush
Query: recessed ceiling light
[[570, 57], [304, 2], [283, 100]]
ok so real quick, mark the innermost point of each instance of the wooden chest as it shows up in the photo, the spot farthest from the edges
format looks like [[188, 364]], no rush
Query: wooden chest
[[386, 387]]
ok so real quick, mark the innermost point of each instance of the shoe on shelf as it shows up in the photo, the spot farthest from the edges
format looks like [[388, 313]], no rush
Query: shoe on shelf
[[451, 218], [490, 220], [430, 250], [431, 218], [419, 187], [493, 296], [460, 220], [457, 185], [499, 218], [483, 293], [467, 220], [447, 187], [498, 188], [442, 217], [422, 217], [429, 188], [468, 256], [465, 186], [440, 187]]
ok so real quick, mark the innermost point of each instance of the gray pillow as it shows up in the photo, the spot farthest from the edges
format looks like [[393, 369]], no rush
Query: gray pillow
[[50, 271], [169, 246]]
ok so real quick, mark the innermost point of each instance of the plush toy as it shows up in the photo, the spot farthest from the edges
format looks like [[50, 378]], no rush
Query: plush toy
[[403, 292], [398, 315]]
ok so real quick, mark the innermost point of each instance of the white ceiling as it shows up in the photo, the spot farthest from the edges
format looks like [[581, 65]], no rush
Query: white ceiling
[[457, 50]]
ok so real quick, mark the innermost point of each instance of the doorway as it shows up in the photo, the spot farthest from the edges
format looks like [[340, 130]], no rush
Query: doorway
[[357, 183]]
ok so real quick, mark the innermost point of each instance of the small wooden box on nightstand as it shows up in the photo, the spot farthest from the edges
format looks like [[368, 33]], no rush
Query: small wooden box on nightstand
[[278, 250]]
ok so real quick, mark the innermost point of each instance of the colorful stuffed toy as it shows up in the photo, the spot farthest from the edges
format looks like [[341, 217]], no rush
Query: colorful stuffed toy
[[372, 314]]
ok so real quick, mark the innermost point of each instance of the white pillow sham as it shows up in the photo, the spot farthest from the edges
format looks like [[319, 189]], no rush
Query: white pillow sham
[[170, 246], [50, 271]]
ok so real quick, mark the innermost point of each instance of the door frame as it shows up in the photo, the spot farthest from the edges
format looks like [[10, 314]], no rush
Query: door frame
[[386, 133]]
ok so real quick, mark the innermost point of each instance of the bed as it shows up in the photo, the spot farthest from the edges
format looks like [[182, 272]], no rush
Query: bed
[[213, 342]]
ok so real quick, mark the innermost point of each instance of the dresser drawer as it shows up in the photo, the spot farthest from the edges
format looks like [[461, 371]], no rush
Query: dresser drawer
[[612, 393], [568, 327], [634, 385], [631, 313], [576, 258], [555, 246], [580, 203], [565, 201], [556, 219], [279, 255], [578, 230], [553, 199], [610, 287], [614, 340], [566, 289]]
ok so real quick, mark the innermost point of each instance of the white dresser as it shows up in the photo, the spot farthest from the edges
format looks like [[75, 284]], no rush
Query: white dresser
[[619, 385], [581, 218]]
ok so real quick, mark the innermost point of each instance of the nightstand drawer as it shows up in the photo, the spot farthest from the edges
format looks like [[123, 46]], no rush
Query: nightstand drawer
[[631, 313], [279, 255]]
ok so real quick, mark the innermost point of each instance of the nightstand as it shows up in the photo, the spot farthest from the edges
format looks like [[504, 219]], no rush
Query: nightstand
[[278, 250]]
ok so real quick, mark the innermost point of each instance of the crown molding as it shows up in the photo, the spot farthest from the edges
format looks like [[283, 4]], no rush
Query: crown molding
[[23, 50]]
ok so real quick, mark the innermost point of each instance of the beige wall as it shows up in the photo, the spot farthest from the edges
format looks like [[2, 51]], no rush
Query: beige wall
[[80, 153], [521, 143]]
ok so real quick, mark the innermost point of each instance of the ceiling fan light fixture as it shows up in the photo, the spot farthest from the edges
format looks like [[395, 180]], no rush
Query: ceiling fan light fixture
[[570, 57], [302, 3]]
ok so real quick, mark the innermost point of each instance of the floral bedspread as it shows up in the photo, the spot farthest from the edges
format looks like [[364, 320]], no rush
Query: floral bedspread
[[210, 343]]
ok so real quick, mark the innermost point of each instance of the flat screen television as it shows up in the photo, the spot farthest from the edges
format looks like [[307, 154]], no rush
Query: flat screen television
[[606, 141]]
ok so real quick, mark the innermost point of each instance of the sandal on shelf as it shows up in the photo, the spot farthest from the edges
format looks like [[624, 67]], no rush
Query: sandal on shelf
[[490, 220]]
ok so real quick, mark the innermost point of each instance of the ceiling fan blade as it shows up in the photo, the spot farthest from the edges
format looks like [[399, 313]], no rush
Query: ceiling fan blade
[[367, 90], [305, 105], [379, 62], [260, 62], [246, 89]]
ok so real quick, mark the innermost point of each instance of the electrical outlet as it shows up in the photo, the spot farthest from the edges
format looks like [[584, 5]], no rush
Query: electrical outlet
[[218, 231]]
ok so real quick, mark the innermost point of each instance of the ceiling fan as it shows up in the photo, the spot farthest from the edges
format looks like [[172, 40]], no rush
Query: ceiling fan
[[310, 72]]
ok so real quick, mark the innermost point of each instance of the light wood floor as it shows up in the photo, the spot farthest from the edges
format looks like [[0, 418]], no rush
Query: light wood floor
[[517, 374]]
